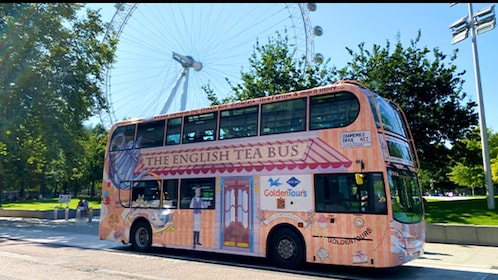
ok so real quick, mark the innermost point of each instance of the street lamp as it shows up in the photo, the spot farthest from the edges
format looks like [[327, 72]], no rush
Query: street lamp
[[480, 22]]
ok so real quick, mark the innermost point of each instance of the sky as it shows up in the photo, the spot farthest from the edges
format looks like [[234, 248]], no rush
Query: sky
[[222, 38]]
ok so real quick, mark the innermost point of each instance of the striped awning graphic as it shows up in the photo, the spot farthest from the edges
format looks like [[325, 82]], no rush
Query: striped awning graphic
[[292, 154]]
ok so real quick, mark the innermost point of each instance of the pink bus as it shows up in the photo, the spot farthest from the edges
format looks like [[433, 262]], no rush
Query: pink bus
[[326, 175]]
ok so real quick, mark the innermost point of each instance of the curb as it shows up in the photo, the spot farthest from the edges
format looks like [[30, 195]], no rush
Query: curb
[[434, 233], [57, 213], [462, 234]]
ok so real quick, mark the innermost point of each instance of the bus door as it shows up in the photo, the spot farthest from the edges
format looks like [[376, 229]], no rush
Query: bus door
[[236, 221]]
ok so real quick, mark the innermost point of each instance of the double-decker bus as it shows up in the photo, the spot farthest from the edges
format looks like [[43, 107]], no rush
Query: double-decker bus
[[326, 175]]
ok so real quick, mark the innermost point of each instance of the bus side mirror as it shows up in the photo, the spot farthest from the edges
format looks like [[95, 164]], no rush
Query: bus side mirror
[[359, 178]]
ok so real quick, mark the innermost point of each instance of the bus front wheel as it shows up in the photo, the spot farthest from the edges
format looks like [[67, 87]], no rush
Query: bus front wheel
[[287, 249], [141, 237]]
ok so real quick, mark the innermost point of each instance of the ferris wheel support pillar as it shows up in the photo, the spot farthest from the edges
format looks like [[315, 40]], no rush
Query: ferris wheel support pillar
[[186, 62], [174, 90], [183, 104]]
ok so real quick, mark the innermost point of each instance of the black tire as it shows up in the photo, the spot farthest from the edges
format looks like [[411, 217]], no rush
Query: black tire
[[287, 249], [141, 237]]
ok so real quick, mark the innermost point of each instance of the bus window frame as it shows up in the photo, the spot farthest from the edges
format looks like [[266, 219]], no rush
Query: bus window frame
[[187, 191], [148, 132], [283, 116], [238, 122], [200, 127], [341, 194], [326, 112]]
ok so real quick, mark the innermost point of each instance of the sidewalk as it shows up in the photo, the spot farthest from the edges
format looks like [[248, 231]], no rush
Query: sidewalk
[[459, 257], [84, 234], [71, 232]]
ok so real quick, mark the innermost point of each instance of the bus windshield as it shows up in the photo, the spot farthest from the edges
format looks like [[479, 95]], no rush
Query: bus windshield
[[391, 119], [405, 196]]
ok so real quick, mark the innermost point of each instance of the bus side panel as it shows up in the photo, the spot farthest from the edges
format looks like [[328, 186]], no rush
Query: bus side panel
[[285, 197], [113, 226], [180, 234], [230, 227], [349, 239]]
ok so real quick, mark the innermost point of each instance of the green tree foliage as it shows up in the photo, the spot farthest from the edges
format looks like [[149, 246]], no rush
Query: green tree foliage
[[274, 70], [493, 152], [429, 92], [467, 176], [467, 169], [427, 89], [423, 82], [94, 159], [52, 64]]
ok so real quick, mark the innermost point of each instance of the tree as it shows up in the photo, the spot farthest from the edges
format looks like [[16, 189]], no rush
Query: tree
[[94, 157], [274, 70], [493, 151], [467, 168], [429, 92], [52, 68]]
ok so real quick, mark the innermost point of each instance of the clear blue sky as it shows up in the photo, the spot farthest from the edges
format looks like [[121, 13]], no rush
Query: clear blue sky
[[344, 25]]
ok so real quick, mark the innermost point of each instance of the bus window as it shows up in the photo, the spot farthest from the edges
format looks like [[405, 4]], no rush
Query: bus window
[[122, 138], [405, 197], [241, 122], [170, 193], [391, 119], [373, 194], [283, 116], [174, 131], [333, 193], [150, 134], [333, 110], [188, 191], [145, 194], [198, 128], [339, 193], [399, 150], [379, 194], [208, 135], [124, 194]]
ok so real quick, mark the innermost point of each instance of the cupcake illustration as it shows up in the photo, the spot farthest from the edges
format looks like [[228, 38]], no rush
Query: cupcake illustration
[[322, 221]]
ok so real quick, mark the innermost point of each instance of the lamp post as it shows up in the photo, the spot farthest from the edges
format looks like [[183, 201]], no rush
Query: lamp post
[[480, 22]]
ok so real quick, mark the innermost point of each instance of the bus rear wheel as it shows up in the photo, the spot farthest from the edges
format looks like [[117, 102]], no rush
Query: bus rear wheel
[[287, 249], [141, 237]]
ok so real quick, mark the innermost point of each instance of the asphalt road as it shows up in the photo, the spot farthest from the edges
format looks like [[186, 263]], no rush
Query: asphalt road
[[440, 261]]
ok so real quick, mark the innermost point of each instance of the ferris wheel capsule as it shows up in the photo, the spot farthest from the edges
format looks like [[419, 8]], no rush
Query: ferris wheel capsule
[[319, 58], [197, 65]]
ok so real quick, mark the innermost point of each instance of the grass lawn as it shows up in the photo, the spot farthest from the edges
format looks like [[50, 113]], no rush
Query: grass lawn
[[473, 211], [450, 211], [48, 204]]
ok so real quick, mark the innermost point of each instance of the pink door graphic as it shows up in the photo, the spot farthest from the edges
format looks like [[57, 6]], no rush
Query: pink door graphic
[[236, 220]]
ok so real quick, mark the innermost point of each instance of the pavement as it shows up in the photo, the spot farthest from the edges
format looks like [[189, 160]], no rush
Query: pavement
[[72, 232], [84, 234]]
